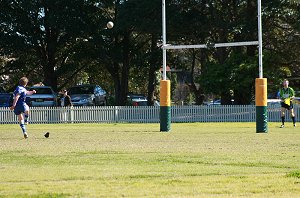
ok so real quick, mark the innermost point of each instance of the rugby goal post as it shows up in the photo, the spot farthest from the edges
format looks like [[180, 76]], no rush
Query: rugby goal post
[[260, 82]]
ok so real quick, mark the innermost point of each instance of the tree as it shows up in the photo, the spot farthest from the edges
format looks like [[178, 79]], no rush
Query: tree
[[282, 42], [144, 19], [232, 21], [50, 31], [60, 42]]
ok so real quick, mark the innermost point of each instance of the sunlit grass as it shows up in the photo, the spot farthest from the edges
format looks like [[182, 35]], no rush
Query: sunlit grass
[[136, 160]]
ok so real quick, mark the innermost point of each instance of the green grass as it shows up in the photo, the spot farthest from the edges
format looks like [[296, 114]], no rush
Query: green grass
[[136, 160]]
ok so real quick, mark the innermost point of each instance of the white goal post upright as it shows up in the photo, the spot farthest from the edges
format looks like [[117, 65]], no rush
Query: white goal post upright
[[260, 51], [164, 39], [260, 84]]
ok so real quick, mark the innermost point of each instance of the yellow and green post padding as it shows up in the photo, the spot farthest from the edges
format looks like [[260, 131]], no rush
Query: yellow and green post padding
[[165, 105], [261, 105]]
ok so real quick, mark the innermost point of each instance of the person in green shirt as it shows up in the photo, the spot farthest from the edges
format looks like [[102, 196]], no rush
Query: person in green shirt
[[287, 94]]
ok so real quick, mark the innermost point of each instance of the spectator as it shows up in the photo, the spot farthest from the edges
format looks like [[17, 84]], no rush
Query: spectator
[[66, 100]]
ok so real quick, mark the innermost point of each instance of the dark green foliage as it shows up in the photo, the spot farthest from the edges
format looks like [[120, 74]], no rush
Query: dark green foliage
[[44, 36], [62, 43]]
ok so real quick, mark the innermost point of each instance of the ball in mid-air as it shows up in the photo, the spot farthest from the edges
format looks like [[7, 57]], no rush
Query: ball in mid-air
[[110, 25]]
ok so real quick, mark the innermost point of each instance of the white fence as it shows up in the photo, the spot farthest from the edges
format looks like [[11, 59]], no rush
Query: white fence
[[114, 114]]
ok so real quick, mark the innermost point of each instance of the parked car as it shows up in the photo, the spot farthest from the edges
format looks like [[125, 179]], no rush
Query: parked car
[[213, 102], [6, 99], [274, 102], [44, 97], [137, 100], [87, 95]]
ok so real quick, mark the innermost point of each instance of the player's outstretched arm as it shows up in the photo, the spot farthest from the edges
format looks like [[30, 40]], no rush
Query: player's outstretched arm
[[30, 92]]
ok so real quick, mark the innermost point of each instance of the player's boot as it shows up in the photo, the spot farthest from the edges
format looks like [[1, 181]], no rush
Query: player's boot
[[25, 135], [282, 126]]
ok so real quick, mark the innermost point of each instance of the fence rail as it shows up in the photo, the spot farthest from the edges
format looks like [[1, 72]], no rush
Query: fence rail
[[115, 114]]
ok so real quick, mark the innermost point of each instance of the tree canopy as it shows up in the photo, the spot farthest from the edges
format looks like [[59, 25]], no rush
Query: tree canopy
[[62, 43]]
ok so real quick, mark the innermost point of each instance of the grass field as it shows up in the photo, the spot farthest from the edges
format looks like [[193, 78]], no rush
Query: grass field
[[136, 160]]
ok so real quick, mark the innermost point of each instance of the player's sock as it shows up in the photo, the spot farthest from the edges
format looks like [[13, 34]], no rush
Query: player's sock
[[22, 125], [282, 119], [294, 120], [26, 118]]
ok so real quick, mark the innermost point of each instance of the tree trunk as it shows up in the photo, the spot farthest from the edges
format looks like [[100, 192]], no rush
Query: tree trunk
[[50, 48], [251, 24], [117, 86], [226, 98], [125, 69], [50, 77], [153, 67], [198, 92], [243, 98]]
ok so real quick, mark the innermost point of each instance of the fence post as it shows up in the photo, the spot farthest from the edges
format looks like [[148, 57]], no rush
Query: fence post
[[71, 114], [116, 114]]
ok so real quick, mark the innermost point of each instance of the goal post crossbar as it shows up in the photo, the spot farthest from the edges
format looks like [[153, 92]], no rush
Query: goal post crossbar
[[212, 45], [260, 83]]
